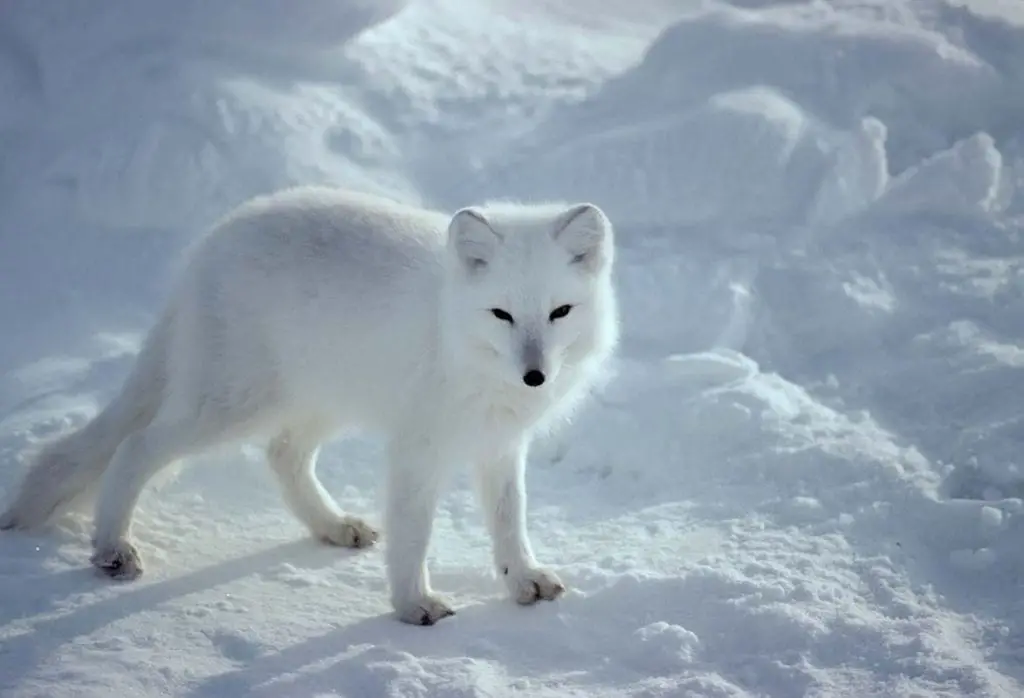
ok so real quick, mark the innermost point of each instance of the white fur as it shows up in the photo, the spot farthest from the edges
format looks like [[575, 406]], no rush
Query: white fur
[[313, 311]]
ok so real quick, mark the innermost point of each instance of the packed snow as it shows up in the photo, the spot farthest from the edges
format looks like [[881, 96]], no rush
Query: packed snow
[[804, 477]]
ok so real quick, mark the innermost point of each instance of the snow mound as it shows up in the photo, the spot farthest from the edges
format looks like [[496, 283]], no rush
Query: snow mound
[[779, 159], [785, 116], [965, 179]]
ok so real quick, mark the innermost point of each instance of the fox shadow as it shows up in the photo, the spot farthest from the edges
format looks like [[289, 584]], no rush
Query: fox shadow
[[27, 585], [365, 658], [356, 659], [35, 592]]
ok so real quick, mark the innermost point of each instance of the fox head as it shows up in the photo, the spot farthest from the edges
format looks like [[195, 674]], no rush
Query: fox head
[[530, 293]]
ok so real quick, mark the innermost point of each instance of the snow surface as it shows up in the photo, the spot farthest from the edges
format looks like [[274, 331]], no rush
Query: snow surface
[[806, 477]]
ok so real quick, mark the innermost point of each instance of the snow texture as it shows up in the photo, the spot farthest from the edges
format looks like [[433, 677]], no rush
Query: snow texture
[[805, 478]]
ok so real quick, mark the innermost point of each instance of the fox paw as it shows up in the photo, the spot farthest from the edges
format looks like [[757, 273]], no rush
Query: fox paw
[[120, 561], [349, 532], [532, 584], [426, 610]]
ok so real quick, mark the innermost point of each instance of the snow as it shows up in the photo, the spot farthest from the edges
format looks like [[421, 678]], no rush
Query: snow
[[805, 477]]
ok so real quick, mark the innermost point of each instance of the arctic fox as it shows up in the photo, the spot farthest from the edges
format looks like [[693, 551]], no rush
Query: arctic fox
[[313, 311]]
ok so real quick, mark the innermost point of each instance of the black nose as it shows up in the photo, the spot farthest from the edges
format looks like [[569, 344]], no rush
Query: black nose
[[533, 378]]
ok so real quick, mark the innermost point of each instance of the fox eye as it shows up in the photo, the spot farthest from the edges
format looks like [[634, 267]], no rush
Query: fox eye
[[559, 312], [502, 315]]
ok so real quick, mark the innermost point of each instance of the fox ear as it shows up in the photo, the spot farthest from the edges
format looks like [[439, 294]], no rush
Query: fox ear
[[472, 239], [586, 234]]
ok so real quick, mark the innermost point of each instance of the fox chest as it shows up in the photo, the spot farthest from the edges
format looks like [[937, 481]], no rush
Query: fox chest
[[483, 429]]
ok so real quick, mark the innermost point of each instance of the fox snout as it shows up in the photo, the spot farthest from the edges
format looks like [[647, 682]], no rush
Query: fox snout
[[533, 362]]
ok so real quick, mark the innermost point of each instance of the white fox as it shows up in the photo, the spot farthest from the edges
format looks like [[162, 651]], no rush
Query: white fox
[[314, 311]]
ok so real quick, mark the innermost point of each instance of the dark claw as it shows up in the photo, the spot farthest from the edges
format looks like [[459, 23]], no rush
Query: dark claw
[[8, 521], [427, 621]]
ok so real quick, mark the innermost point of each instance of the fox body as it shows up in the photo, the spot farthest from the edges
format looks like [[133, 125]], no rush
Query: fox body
[[313, 311]]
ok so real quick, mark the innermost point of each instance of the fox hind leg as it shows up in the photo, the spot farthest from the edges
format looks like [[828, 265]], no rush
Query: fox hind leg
[[173, 435], [292, 455]]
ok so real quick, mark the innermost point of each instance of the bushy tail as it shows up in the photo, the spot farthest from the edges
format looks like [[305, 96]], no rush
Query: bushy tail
[[68, 467]]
